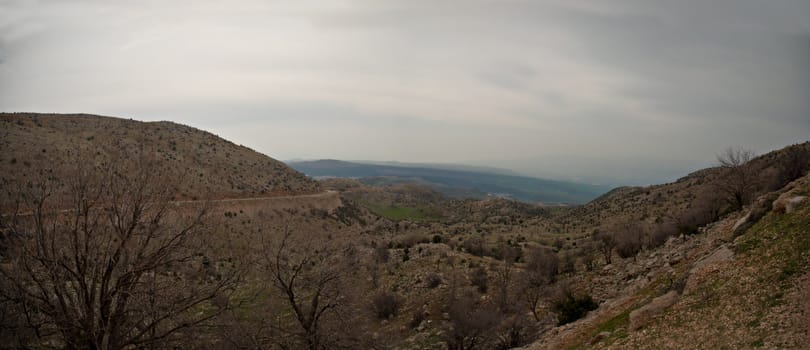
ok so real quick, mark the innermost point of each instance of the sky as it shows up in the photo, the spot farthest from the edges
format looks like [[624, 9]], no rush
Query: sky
[[625, 91]]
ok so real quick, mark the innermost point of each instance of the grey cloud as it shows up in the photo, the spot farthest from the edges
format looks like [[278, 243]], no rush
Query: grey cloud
[[425, 80]]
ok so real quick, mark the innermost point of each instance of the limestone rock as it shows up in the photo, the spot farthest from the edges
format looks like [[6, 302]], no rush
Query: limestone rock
[[643, 315]]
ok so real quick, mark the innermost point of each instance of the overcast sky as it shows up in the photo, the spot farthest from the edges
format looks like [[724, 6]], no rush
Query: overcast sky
[[637, 90]]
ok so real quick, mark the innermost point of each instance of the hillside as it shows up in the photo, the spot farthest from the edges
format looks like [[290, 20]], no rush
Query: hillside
[[723, 288], [395, 264], [457, 182], [204, 164]]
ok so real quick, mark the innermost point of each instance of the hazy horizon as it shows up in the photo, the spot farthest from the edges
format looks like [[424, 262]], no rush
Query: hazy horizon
[[634, 91]]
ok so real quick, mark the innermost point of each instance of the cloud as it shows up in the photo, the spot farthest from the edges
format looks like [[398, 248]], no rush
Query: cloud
[[448, 81]]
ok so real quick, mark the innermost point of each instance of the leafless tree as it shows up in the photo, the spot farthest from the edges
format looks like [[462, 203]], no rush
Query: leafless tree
[[503, 273], [311, 281], [540, 272], [105, 260], [705, 208], [479, 278], [794, 163], [586, 256], [605, 243], [470, 323], [629, 239], [738, 181]]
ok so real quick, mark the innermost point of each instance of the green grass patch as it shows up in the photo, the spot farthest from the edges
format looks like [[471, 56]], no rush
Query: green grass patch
[[619, 321]]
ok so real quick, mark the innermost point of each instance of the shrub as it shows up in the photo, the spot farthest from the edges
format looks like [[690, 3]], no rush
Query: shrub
[[570, 307], [543, 266], [413, 239], [386, 305], [433, 280], [381, 255], [417, 318], [472, 324], [629, 241], [474, 246], [478, 278], [437, 239]]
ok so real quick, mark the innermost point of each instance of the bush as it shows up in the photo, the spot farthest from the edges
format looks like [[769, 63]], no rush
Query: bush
[[437, 239], [474, 246], [478, 278], [417, 318], [413, 239], [570, 307], [433, 280], [386, 305], [381, 255]]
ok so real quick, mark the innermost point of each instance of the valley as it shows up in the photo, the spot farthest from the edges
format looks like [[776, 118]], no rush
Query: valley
[[209, 244]]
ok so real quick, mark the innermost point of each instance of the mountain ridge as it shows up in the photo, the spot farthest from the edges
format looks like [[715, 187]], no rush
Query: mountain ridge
[[449, 181]]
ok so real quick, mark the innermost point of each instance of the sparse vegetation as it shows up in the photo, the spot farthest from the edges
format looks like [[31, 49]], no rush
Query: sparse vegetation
[[400, 262]]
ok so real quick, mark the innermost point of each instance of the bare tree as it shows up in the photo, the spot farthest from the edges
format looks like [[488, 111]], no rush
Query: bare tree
[[470, 323], [105, 260], [541, 271], [503, 273], [738, 181], [705, 208], [794, 163], [311, 282], [605, 242], [586, 256], [479, 278], [629, 239]]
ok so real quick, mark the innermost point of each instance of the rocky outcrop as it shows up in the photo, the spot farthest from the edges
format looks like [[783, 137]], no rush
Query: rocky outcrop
[[644, 314], [788, 202]]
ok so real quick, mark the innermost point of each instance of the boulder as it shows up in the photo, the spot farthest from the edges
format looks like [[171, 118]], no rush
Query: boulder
[[643, 315], [794, 203], [599, 337], [787, 203], [720, 255]]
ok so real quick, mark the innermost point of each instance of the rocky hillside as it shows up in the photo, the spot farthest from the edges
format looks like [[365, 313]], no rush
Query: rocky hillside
[[684, 200], [740, 283], [203, 164], [687, 268]]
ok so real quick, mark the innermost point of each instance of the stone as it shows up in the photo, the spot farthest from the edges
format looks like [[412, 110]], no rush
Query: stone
[[787, 203], [720, 255], [643, 315], [794, 203], [599, 337], [742, 221]]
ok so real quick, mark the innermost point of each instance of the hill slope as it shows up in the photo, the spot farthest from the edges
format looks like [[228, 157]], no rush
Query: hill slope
[[457, 182], [208, 165], [724, 278]]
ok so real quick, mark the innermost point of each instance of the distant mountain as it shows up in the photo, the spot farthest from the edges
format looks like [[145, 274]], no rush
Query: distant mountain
[[456, 181], [209, 166], [445, 166]]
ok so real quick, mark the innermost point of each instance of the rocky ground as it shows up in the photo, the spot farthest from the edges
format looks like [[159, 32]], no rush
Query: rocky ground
[[710, 291]]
